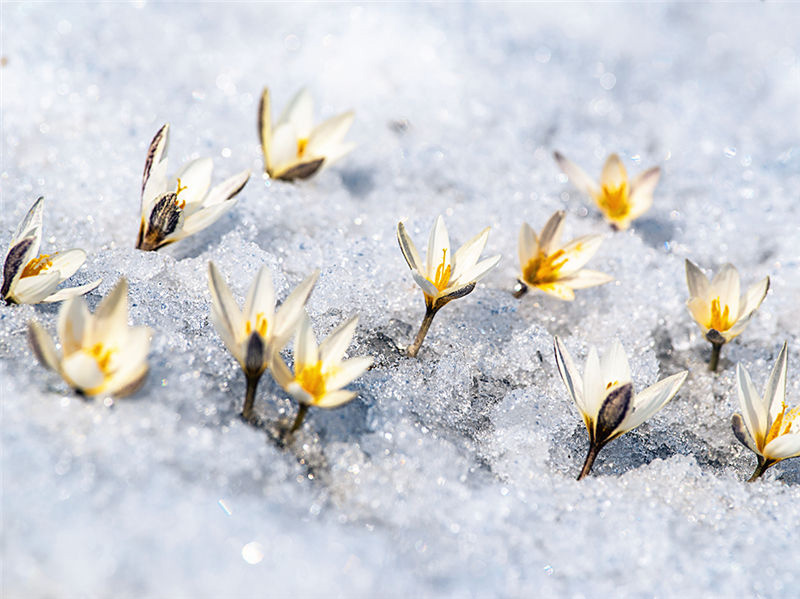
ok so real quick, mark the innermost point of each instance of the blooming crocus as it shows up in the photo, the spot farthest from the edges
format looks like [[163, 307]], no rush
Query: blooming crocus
[[100, 353], [252, 334], [443, 276], [295, 149], [621, 200], [716, 306], [605, 397], [30, 278], [320, 372], [555, 269], [176, 208], [765, 426]]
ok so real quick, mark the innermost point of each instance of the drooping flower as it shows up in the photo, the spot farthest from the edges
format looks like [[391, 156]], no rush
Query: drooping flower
[[605, 397], [555, 269], [444, 276], [320, 372], [30, 278], [621, 200], [176, 208], [765, 426], [717, 307], [100, 353], [252, 334], [293, 148]]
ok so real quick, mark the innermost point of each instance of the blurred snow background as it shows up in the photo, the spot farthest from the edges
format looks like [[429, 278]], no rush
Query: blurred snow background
[[452, 474]]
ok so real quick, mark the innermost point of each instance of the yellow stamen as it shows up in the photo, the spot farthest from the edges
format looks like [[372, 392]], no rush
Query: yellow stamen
[[543, 269], [720, 318], [611, 384], [442, 273], [37, 265], [261, 325], [102, 356], [178, 191], [782, 421], [312, 380], [614, 201], [302, 144]]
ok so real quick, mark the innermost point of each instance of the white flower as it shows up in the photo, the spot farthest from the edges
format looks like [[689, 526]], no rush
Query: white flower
[[555, 269], [320, 373], [621, 200], [605, 398], [100, 353], [182, 206], [29, 278], [764, 426], [716, 305], [295, 149]]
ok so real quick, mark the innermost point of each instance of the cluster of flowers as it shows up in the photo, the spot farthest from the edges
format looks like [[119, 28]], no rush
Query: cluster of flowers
[[101, 354]]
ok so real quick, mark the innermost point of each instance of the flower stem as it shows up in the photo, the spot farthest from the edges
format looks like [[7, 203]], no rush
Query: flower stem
[[714, 361], [594, 449], [298, 421], [250, 397], [412, 349], [761, 468], [519, 290]]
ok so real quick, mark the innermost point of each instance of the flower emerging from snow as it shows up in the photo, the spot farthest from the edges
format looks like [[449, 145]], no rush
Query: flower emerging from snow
[[619, 199], [717, 307], [100, 353], [30, 278], [253, 334], [320, 373], [765, 426], [295, 149], [557, 270], [444, 276], [176, 208], [605, 397]]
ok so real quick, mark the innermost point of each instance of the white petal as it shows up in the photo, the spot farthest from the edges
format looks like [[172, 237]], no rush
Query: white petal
[[614, 174], [785, 446], [292, 309], [265, 128], [227, 336], [578, 252], [698, 283], [427, 287], [300, 113], [31, 226], [82, 372], [651, 400], [124, 383], [229, 318], [594, 389], [68, 292], [753, 412], [558, 289], [73, 323], [577, 175], [641, 191], [226, 190], [550, 238], [700, 310], [775, 392], [335, 399], [614, 366], [261, 298], [195, 176], [348, 371], [477, 272], [725, 285], [131, 354], [305, 346], [467, 255], [283, 376], [283, 150], [43, 346], [586, 278], [408, 248], [67, 263], [32, 290], [438, 248], [328, 136], [754, 296], [570, 375], [331, 350], [334, 153], [201, 219], [528, 246], [110, 322], [154, 180]]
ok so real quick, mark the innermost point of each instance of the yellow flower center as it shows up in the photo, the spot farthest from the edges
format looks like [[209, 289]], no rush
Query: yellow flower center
[[261, 325], [182, 203], [611, 384], [302, 144], [37, 265], [720, 317], [782, 424], [101, 355], [544, 269], [442, 273], [613, 201], [312, 380]]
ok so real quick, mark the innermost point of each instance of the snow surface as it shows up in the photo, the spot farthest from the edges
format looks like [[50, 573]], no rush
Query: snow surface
[[452, 474]]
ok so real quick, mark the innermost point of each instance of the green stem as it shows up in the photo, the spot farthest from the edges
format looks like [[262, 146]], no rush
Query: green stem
[[250, 397], [714, 361], [298, 421], [594, 449], [761, 468], [412, 349]]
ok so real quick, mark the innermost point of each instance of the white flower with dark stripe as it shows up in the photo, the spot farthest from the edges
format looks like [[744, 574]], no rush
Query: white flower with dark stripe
[[100, 353], [293, 148], [716, 306], [252, 334], [620, 199], [605, 398], [30, 278], [553, 268], [444, 276], [320, 372], [766, 426], [183, 205]]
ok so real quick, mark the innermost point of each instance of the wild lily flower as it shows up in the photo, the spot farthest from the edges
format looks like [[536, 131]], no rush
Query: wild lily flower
[[253, 334], [444, 276], [605, 397], [621, 200], [555, 269], [293, 148], [764, 426], [30, 278], [716, 306], [182, 206], [320, 373], [100, 353]]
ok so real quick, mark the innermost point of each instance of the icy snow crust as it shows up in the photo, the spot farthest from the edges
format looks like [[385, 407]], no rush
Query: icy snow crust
[[451, 474]]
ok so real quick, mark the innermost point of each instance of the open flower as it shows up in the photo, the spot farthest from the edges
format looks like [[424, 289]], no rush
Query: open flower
[[764, 426], [320, 373], [253, 334], [295, 149], [605, 397], [100, 353], [182, 206], [444, 276], [619, 199], [717, 307], [555, 269], [29, 278]]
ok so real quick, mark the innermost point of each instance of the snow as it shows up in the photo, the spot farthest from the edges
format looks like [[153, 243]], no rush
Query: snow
[[451, 474]]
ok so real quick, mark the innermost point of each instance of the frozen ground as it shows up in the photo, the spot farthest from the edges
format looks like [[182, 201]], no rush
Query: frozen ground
[[452, 474]]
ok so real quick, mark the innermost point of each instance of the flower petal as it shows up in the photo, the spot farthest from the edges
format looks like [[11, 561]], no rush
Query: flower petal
[[559, 289], [651, 400], [775, 391], [570, 375], [348, 371], [153, 178], [334, 399], [19, 255], [202, 219], [725, 285], [32, 290], [229, 188], [332, 349], [328, 135], [614, 174], [428, 288], [700, 310], [551, 233], [73, 322], [578, 252], [228, 318], [305, 346], [68, 292], [594, 390], [43, 347], [753, 410], [265, 128], [261, 298], [82, 372], [641, 192], [698, 283], [300, 113], [110, 322], [467, 256], [408, 248], [438, 248], [528, 246], [283, 376], [586, 278], [742, 434], [195, 176], [614, 366], [785, 446], [577, 175], [31, 226], [67, 263], [478, 271], [754, 296], [615, 408], [283, 150], [292, 309]]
